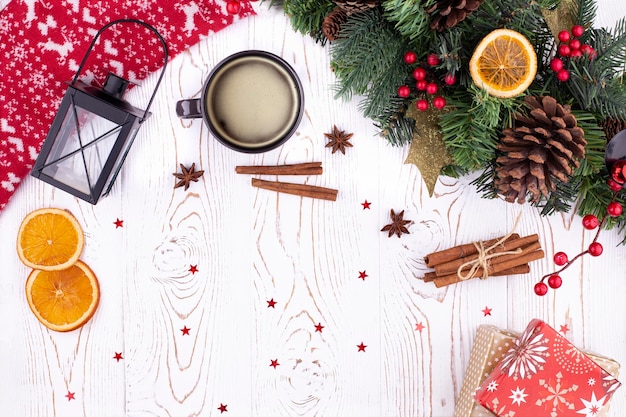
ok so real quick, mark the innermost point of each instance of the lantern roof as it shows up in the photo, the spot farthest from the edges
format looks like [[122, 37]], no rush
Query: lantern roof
[[107, 98]]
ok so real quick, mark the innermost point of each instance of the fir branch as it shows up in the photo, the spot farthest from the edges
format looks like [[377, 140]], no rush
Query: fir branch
[[594, 198], [587, 13], [367, 61], [562, 198], [611, 47], [360, 55], [307, 16], [410, 19], [484, 183], [593, 86], [523, 16], [397, 130], [381, 100], [454, 54], [273, 3], [492, 111], [472, 128], [596, 143], [453, 171]]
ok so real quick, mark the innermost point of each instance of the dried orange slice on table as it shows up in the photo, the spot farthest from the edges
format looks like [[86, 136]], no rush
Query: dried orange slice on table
[[63, 300], [50, 239], [504, 63]]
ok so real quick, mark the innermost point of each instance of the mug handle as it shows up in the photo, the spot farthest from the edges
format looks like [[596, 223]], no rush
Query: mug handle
[[189, 109]]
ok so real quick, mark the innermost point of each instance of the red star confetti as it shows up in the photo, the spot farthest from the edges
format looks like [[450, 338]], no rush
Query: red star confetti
[[185, 331], [419, 327], [70, 396], [564, 329], [222, 408], [274, 363], [366, 204], [118, 356], [319, 327], [361, 347], [193, 269], [486, 311], [118, 223], [271, 303], [362, 275]]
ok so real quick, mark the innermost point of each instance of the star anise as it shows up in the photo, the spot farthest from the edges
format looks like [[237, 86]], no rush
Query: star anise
[[397, 225], [338, 140], [187, 176]]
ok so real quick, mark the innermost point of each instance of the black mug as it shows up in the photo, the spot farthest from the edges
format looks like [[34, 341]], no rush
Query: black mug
[[251, 102]]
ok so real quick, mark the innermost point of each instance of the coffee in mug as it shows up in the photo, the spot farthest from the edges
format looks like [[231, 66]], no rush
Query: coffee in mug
[[251, 102]]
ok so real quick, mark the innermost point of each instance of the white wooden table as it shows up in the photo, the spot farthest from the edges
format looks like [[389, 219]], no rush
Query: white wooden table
[[252, 246]]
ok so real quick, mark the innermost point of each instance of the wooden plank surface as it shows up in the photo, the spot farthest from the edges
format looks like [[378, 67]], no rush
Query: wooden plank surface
[[251, 246]]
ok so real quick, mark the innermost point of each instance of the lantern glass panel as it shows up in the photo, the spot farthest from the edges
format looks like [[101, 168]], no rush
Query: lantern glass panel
[[120, 159], [81, 149]]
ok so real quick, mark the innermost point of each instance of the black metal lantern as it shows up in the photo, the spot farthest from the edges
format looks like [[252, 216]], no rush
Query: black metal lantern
[[92, 132]]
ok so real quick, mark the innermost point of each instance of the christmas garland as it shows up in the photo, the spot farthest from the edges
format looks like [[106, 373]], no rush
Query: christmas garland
[[409, 61]]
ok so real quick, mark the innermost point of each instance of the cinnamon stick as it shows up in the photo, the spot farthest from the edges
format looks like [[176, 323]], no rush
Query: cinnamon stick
[[509, 245], [459, 251], [432, 276], [302, 190], [305, 168]]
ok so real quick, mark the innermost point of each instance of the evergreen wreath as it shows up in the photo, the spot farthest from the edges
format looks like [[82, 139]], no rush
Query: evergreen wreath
[[368, 42]]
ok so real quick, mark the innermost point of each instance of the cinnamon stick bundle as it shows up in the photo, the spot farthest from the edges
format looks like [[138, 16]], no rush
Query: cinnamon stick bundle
[[305, 168], [509, 257], [509, 245], [302, 190]]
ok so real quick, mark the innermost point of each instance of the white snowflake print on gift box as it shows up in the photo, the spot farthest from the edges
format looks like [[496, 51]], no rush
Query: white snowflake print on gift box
[[593, 406], [527, 355], [518, 396], [500, 410], [556, 394]]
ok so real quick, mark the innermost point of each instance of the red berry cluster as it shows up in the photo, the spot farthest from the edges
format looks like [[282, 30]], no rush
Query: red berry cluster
[[590, 222], [570, 47], [426, 82]]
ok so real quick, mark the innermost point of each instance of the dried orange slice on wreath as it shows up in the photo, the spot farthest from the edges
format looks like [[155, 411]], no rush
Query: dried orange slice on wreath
[[63, 300], [504, 63], [50, 239]]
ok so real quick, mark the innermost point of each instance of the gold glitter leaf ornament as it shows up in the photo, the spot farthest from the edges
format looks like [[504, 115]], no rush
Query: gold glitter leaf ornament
[[562, 17], [428, 151]]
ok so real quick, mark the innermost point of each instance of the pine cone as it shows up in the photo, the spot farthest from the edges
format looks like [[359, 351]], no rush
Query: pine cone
[[356, 6], [544, 145], [612, 127], [446, 14], [332, 23]]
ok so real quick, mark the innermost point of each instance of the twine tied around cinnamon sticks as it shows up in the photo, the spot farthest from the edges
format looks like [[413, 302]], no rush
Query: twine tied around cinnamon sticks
[[505, 255], [482, 261], [484, 255]]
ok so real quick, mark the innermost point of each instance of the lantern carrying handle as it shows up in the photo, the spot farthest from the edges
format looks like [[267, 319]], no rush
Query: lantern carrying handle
[[149, 27]]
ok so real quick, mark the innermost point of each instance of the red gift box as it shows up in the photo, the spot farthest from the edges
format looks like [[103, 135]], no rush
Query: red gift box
[[543, 374]]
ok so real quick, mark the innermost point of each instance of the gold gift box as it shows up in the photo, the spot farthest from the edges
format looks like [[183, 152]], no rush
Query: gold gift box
[[489, 347]]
